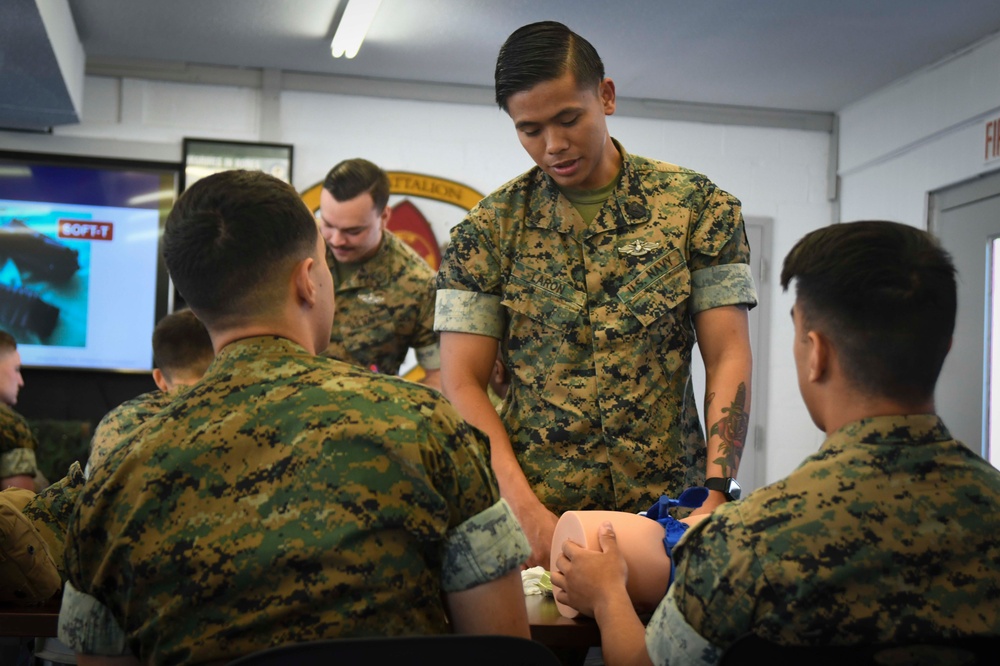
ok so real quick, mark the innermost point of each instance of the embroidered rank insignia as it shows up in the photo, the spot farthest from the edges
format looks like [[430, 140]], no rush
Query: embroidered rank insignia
[[371, 299], [637, 248]]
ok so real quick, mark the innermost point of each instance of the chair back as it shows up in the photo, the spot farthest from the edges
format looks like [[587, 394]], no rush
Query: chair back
[[411, 650], [962, 651]]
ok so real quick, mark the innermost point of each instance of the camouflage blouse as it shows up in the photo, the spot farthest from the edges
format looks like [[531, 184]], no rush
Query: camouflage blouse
[[17, 445], [595, 325], [888, 533], [286, 497], [385, 308], [122, 419]]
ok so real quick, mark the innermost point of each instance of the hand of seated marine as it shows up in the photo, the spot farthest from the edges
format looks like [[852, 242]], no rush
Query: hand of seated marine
[[589, 579]]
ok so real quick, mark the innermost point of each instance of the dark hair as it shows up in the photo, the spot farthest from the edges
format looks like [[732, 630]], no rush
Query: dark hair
[[181, 343], [354, 177], [541, 52], [7, 342], [884, 293], [229, 236]]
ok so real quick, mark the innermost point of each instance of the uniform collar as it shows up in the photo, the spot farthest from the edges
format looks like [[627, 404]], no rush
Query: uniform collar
[[239, 352], [898, 429], [551, 210]]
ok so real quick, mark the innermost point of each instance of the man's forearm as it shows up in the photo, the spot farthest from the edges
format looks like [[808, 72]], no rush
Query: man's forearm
[[473, 404], [726, 423], [623, 636], [19, 481]]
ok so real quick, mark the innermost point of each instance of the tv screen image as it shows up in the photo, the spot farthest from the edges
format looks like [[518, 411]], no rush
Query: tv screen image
[[81, 279], [43, 282]]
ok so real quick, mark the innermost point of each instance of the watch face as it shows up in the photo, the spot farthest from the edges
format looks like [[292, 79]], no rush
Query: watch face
[[727, 486]]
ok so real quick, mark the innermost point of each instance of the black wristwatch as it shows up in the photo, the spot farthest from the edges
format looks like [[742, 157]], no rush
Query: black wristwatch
[[726, 485]]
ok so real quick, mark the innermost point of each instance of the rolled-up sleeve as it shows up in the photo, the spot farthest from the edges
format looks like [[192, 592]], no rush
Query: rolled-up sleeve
[[88, 627], [726, 284], [671, 640], [469, 312], [483, 548]]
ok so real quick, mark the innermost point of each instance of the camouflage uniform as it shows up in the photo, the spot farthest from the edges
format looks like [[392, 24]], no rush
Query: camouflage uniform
[[384, 309], [123, 419], [286, 497], [888, 533], [594, 323], [17, 445]]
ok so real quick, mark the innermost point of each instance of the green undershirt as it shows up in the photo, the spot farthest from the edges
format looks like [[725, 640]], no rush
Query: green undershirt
[[589, 202]]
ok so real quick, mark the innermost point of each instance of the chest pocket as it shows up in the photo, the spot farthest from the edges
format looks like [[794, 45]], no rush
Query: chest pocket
[[657, 298], [548, 324]]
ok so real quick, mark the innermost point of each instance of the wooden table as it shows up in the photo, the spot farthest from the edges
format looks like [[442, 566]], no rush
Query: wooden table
[[569, 638], [548, 626], [30, 621]]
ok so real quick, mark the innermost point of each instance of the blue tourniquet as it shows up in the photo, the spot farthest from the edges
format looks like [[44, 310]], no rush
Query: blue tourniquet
[[691, 498]]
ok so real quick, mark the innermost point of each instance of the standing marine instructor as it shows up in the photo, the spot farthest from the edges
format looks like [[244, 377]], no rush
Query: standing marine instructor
[[594, 272]]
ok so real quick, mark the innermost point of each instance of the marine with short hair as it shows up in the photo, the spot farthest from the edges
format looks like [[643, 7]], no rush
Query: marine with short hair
[[385, 290], [594, 272], [286, 497], [182, 352], [887, 535], [18, 464]]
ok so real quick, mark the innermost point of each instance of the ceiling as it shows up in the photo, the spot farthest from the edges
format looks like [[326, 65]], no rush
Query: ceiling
[[791, 55]]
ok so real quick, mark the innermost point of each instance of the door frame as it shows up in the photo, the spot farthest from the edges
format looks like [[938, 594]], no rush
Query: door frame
[[939, 202]]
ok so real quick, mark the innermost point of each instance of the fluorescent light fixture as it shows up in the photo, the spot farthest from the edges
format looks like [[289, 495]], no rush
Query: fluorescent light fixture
[[160, 195], [353, 27]]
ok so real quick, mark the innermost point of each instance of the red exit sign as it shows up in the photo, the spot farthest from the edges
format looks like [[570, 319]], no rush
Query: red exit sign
[[86, 230], [992, 149]]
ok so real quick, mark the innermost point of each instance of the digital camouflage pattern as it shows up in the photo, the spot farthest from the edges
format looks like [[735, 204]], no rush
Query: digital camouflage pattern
[[49, 512], [123, 419], [888, 533], [286, 497], [594, 323], [385, 308], [17, 445]]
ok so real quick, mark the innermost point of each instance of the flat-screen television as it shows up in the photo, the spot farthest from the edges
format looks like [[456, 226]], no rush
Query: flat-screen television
[[82, 280]]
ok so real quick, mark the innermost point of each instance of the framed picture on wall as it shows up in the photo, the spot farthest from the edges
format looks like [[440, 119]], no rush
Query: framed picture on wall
[[203, 157]]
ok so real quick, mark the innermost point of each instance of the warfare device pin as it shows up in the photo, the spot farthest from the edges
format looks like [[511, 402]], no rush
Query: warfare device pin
[[637, 248]]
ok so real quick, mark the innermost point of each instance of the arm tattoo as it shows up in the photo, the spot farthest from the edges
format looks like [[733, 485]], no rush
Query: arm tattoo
[[732, 430]]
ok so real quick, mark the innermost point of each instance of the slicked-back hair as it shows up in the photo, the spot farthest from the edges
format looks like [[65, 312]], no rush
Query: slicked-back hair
[[353, 177], [228, 239], [181, 344], [885, 294], [541, 52], [7, 343]]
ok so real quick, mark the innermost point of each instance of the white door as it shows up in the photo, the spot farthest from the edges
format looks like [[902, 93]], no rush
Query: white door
[[966, 218]]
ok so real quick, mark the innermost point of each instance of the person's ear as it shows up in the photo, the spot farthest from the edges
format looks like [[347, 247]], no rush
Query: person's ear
[[607, 93], [384, 218], [819, 356], [305, 285], [161, 381]]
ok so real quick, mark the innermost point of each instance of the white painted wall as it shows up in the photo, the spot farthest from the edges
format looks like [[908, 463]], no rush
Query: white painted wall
[[924, 132], [778, 174]]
